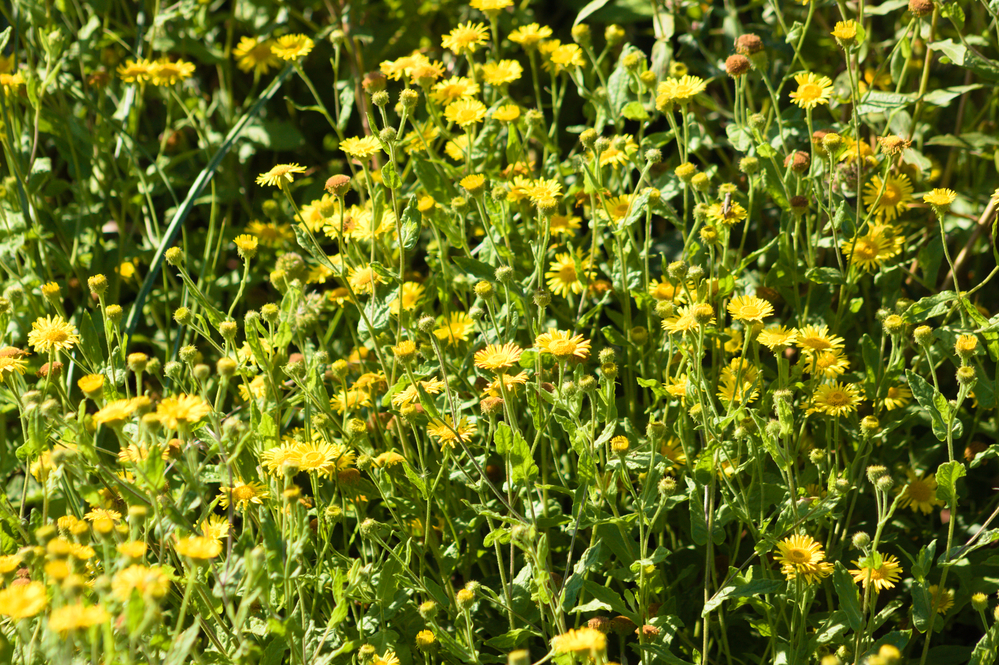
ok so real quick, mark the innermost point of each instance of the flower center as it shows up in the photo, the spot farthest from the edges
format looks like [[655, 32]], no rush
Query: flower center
[[567, 274], [313, 459], [919, 491], [809, 92], [891, 197], [797, 555], [865, 250], [562, 347], [837, 398], [244, 493]]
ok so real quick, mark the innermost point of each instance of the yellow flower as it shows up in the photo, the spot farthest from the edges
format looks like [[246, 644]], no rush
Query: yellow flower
[[678, 91], [246, 245], [242, 494], [881, 571], [133, 549], [410, 395], [565, 225], [417, 140], [567, 56], [529, 35], [811, 339], [828, 364], [465, 112], [778, 338], [490, 7], [544, 193], [215, 527], [11, 83], [835, 399], [75, 617], [408, 298], [274, 235], [102, 514], [457, 147], [845, 31], [738, 382], [23, 601], [456, 327], [280, 175], [942, 599], [9, 563], [114, 413], [498, 357], [361, 147], [292, 47], [151, 582], [895, 199], [502, 72], [735, 213], [322, 458], [198, 547], [802, 555], [897, 397], [466, 38], [350, 400], [750, 309], [813, 90], [11, 362], [363, 279], [919, 494], [394, 70], [562, 276], [582, 640], [164, 72], [182, 409], [453, 89], [52, 333], [135, 71], [870, 250], [255, 54], [447, 434], [563, 345], [510, 382], [940, 199]]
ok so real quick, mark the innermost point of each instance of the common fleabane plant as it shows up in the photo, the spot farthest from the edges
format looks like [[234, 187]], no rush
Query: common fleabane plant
[[672, 345]]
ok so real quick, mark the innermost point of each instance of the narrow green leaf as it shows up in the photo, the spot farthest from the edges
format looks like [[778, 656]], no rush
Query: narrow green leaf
[[947, 476], [849, 596]]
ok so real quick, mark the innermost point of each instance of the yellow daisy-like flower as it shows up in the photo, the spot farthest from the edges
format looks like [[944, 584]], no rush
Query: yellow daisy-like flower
[[502, 72], [897, 397], [323, 458], [179, 409], [215, 527], [563, 345], [246, 245], [52, 333], [566, 57], [11, 362], [363, 279], [114, 413], [507, 113], [466, 38], [678, 91], [490, 7], [350, 400], [893, 201], [544, 193], [835, 399], [411, 395], [292, 47], [152, 582], [447, 434], [583, 640], [453, 89], [813, 90], [280, 175], [9, 563], [133, 549], [870, 250], [802, 555], [942, 599], [255, 54], [242, 494], [828, 364], [563, 278], [408, 299], [457, 147], [164, 72], [738, 382], [510, 381], [456, 327], [361, 147], [23, 601], [919, 493], [394, 70], [565, 225], [882, 576], [845, 30], [135, 71], [750, 309], [811, 339], [465, 112], [778, 338], [498, 357], [77, 616], [940, 199], [198, 548], [530, 35], [734, 214]]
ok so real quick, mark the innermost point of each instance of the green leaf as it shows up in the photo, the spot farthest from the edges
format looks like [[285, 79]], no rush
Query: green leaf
[[944, 96], [987, 649], [512, 639], [512, 446], [635, 111], [390, 176], [953, 11], [182, 646], [947, 476], [928, 307], [753, 588], [609, 597], [346, 105], [740, 138], [925, 395], [876, 101], [825, 276], [585, 12], [849, 597], [921, 606]]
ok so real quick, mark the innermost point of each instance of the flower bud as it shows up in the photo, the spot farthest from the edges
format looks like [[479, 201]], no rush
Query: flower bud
[[175, 256], [98, 284], [861, 541]]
